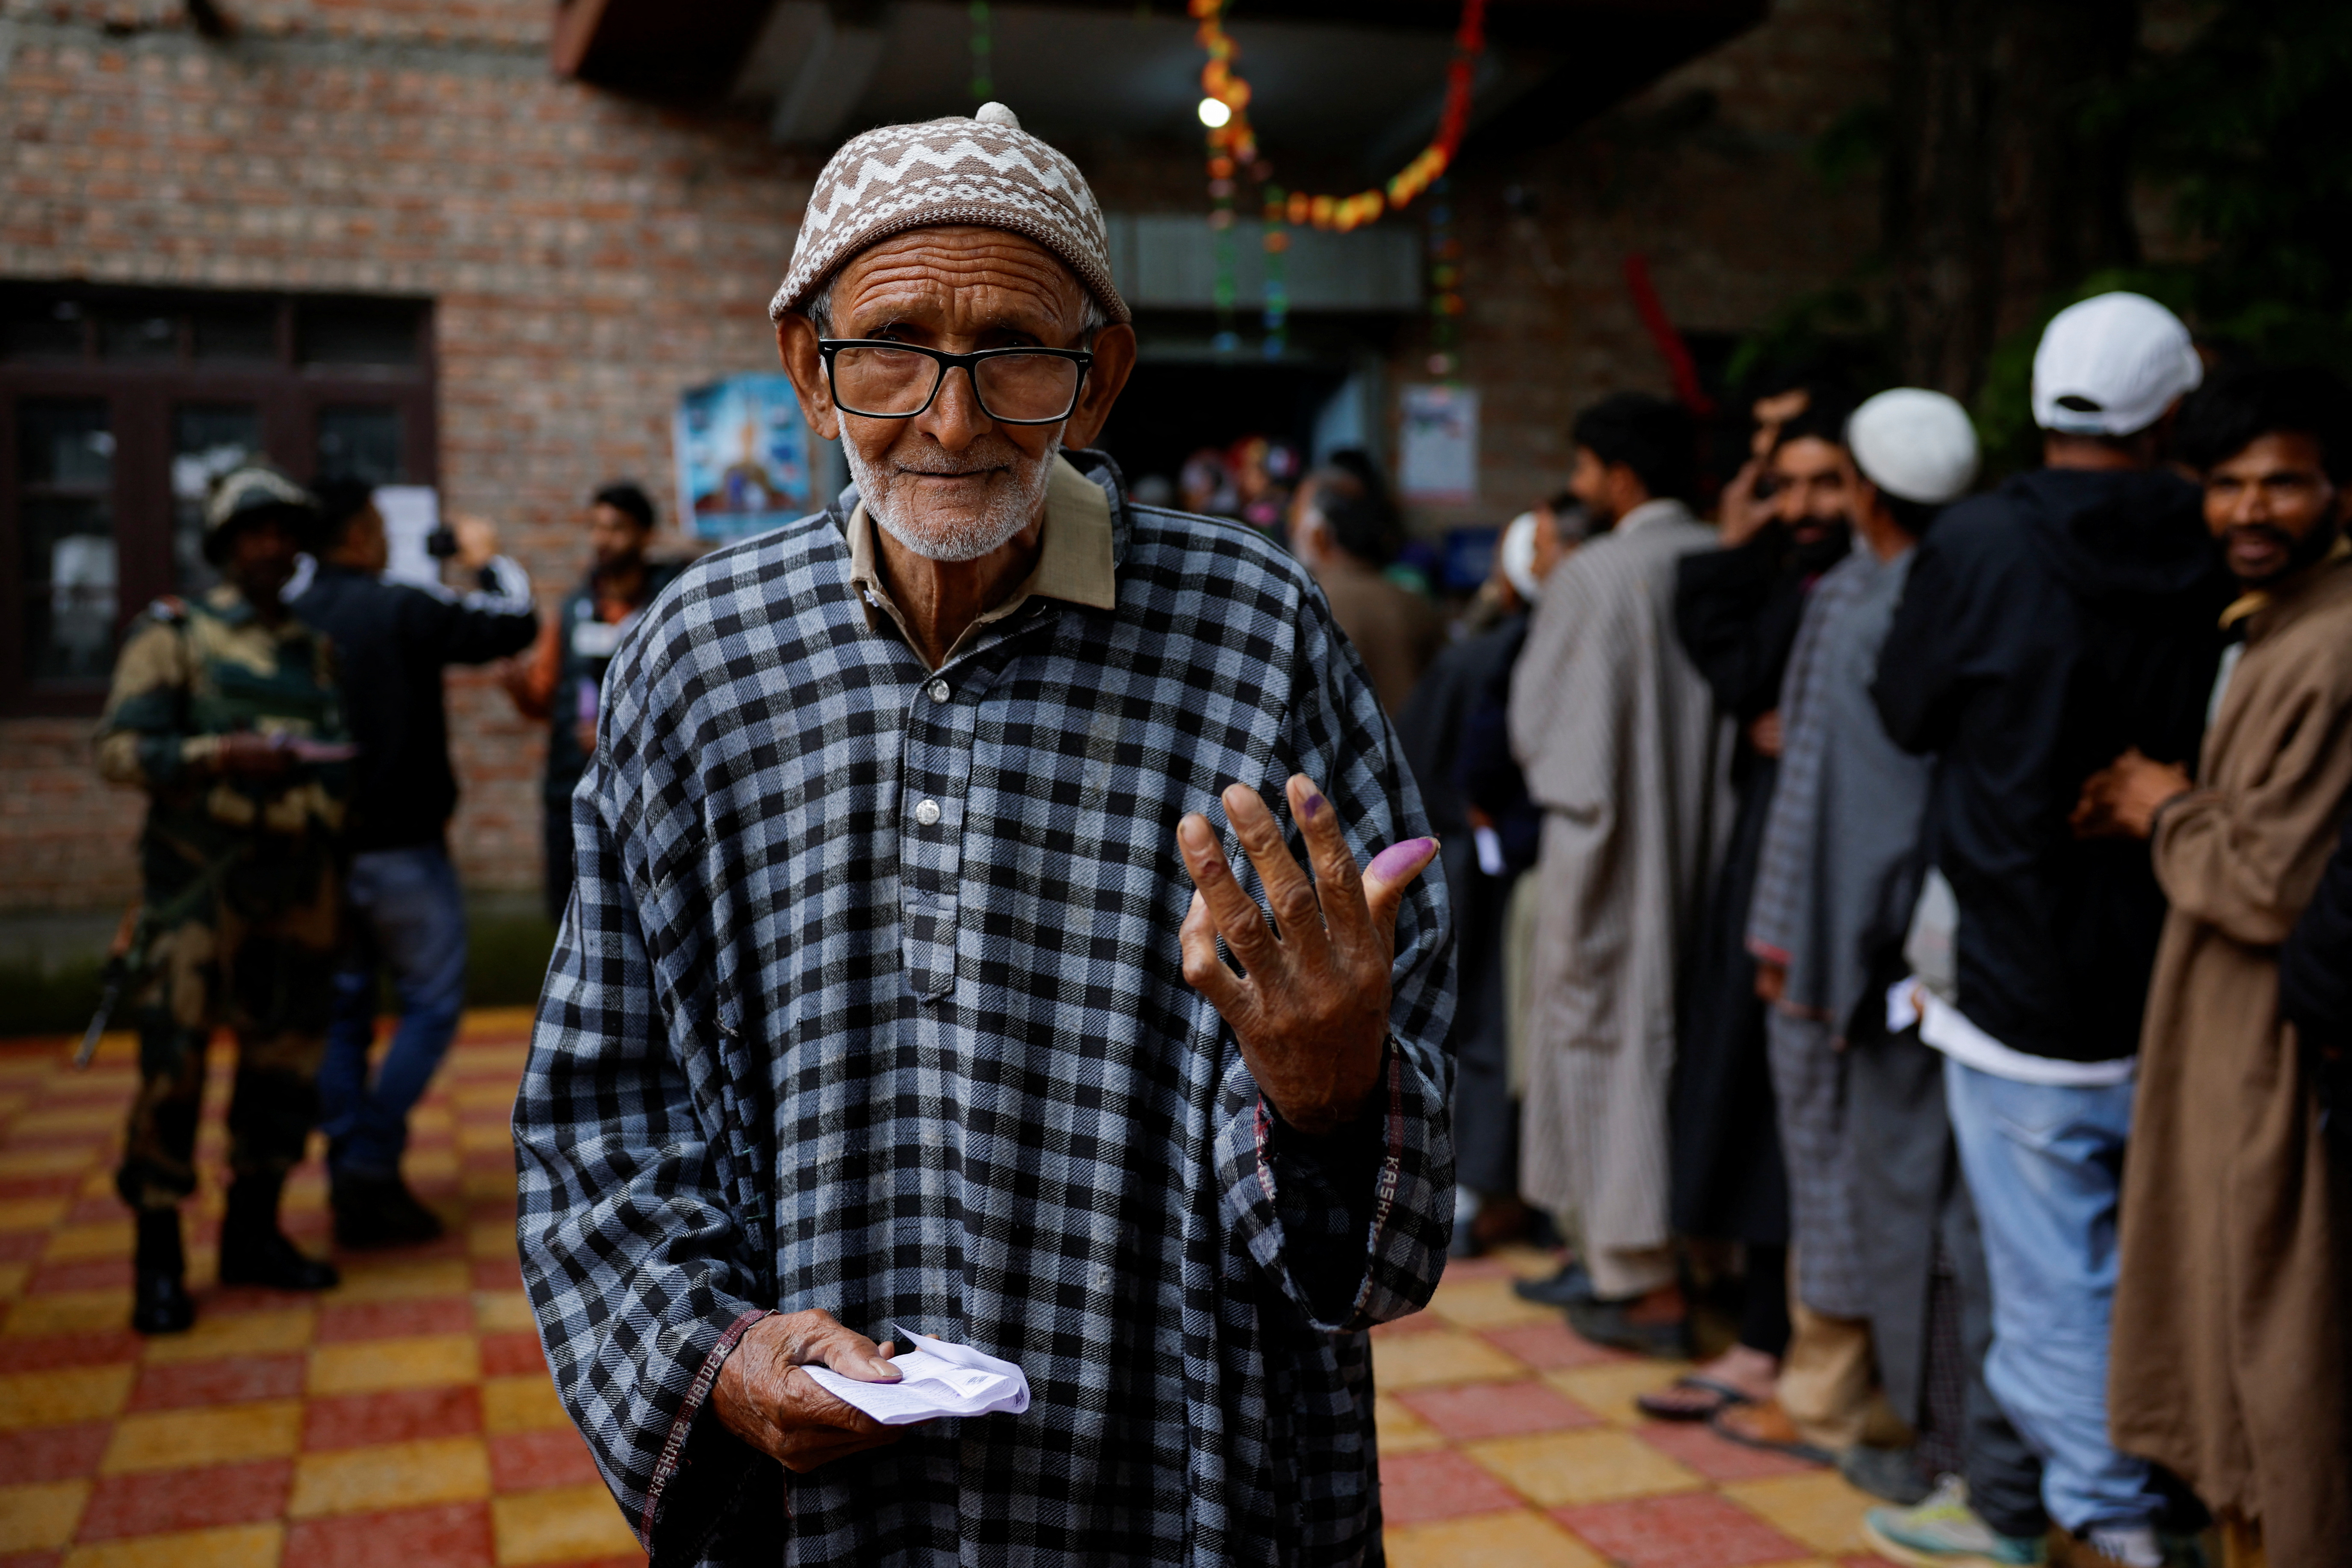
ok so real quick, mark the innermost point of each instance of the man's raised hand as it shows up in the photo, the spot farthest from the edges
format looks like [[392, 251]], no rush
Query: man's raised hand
[[763, 1396], [1311, 1008]]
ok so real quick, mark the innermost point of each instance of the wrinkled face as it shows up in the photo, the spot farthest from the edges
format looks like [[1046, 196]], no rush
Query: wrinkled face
[[261, 555], [615, 537], [951, 483], [1814, 488], [2272, 507]]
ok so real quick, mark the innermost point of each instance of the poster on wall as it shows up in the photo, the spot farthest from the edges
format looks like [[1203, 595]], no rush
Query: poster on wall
[[1437, 448], [411, 514], [745, 462]]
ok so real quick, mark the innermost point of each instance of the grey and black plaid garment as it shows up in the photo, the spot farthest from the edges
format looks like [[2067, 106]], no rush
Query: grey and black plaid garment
[[801, 1047]]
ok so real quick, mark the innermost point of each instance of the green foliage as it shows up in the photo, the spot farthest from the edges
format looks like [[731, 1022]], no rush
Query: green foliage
[[2244, 129], [1841, 327], [1855, 144], [2240, 134]]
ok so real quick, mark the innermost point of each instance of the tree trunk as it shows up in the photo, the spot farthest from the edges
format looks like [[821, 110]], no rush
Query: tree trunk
[[2002, 187]]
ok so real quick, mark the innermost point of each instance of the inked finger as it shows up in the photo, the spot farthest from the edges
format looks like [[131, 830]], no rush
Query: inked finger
[[1288, 892], [1236, 915], [1389, 874], [1336, 881]]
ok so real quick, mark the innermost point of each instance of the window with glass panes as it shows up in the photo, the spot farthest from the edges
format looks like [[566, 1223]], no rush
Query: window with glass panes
[[119, 408]]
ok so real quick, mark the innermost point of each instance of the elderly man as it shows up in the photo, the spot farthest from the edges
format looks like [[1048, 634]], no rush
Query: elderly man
[[891, 999]]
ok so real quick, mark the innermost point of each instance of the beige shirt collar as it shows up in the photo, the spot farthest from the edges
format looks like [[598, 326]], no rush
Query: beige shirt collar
[[1074, 558]]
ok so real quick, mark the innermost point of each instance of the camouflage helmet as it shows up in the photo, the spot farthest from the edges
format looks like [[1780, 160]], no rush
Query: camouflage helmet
[[250, 490]]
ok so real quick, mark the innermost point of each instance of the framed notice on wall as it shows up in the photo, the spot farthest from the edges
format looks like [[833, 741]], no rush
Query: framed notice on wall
[[1437, 447], [745, 462]]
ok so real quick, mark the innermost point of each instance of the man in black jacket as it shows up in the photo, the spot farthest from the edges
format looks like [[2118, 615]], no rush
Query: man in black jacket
[[393, 639], [2046, 627]]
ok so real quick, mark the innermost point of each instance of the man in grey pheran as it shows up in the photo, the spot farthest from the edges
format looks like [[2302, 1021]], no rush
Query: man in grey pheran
[[890, 998]]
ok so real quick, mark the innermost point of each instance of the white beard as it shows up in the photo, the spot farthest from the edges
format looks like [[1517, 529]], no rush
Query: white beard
[[1013, 500]]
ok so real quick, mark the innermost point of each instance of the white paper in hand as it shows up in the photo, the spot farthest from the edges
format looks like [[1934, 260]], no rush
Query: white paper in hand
[[936, 1379]]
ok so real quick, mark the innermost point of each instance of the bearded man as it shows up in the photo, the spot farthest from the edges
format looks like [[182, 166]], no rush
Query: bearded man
[[2230, 1363], [891, 999]]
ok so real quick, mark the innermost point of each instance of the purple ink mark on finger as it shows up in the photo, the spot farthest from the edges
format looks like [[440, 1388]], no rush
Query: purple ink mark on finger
[[1314, 806], [1399, 859]]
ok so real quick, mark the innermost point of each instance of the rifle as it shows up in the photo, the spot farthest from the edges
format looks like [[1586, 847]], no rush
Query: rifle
[[114, 981]]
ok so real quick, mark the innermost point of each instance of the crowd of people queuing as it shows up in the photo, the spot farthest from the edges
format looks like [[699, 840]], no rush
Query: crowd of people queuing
[[1911, 918]]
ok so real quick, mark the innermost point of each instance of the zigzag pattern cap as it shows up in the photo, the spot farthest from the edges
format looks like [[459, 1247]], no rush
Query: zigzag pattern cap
[[985, 171]]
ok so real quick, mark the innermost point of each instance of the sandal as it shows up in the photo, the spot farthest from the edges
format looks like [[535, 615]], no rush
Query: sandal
[[1766, 1426], [1660, 1404]]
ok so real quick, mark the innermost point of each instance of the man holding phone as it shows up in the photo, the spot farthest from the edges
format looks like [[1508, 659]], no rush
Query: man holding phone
[[561, 680], [407, 913]]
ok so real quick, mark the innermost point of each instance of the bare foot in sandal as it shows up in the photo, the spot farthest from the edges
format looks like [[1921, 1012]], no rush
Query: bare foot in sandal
[[1741, 1376]]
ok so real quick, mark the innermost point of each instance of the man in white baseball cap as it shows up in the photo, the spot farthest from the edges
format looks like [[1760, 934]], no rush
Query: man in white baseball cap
[[2045, 628], [2112, 367]]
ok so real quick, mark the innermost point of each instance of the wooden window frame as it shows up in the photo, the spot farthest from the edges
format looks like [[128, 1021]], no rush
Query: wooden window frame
[[141, 397]]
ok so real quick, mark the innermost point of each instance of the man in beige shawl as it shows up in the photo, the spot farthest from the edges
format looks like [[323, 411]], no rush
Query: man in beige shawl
[[1624, 753], [2229, 1363]]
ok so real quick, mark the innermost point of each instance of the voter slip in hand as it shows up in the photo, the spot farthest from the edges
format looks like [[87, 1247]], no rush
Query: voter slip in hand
[[936, 1379]]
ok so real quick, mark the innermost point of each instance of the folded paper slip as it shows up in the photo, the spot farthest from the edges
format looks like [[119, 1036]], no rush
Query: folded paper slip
[[936, 1379]]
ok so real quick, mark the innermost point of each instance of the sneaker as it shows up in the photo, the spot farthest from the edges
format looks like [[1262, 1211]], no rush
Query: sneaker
[[1945, 1533]]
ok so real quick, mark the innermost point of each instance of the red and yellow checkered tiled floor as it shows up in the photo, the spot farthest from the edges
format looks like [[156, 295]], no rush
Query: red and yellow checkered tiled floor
[[407, 1419]]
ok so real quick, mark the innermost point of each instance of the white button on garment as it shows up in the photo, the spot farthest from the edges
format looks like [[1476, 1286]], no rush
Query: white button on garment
[[928, 813], [938, 691]]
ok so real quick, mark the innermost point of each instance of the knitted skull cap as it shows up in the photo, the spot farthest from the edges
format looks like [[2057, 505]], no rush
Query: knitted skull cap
[[984, 170]]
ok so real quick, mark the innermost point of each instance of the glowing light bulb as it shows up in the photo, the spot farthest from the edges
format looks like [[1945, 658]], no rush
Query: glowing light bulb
[[1214, 112]]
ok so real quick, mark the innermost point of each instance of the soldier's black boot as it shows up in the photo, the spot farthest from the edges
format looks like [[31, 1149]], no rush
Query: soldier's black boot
[[254, 1251], [159, 1300]]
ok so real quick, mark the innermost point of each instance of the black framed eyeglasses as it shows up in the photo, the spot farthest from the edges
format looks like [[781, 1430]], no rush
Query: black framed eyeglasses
[[876, 378]]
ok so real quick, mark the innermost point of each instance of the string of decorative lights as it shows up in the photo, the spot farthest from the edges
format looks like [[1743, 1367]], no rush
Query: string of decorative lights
[[1444, 283], [1232, 142], [1277, 241], [984, 52]]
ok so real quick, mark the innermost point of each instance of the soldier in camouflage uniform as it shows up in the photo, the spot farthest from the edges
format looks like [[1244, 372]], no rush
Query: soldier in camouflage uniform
[[224, 712]]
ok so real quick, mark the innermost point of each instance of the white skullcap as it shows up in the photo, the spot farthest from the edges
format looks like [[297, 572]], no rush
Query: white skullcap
[[1517, 552], [1914, 444], [984, 170], [2111, 366]]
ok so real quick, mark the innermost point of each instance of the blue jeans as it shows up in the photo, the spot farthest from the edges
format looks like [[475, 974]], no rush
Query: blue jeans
[[406, 912], [2044, 1165]]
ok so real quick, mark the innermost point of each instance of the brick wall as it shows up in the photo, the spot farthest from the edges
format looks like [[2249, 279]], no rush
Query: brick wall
[[589, 256]]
